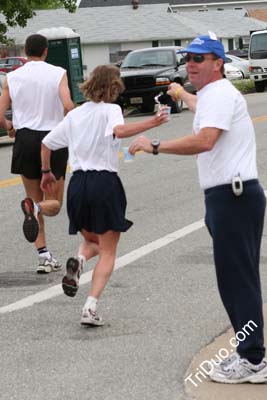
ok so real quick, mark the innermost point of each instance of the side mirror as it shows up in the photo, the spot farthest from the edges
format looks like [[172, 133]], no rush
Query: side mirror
[[118, 63]]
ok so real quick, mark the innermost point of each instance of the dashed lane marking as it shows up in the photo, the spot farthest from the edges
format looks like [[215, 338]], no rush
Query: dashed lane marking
[[16, 181], [121, 262]]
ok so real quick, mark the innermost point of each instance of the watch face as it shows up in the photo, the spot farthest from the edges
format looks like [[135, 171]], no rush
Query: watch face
[[155, 142]]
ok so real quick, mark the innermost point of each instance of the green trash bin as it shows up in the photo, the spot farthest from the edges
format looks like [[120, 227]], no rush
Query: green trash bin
[[64, 50]]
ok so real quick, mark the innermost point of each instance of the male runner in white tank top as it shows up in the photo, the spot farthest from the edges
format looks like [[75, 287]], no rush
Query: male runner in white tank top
[[39, 96]]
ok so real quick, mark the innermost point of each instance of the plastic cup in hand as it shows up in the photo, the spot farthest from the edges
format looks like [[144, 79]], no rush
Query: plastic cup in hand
[[127, 156], [165, 110]]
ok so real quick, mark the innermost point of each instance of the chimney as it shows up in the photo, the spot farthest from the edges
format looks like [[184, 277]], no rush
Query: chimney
[[135, 4]]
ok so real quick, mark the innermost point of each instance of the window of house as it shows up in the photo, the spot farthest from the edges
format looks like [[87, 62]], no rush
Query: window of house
[[230, 44], [114, 50], [166, 43]]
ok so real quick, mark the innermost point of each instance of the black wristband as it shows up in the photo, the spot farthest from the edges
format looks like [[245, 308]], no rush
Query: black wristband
[[46, 171]]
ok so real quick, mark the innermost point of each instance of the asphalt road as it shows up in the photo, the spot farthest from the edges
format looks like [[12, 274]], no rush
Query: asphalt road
[[161, 306]]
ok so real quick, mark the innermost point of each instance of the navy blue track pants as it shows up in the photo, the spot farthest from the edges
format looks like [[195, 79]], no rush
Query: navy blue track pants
[[235, 224]]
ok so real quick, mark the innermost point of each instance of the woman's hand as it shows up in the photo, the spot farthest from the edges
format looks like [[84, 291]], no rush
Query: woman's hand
[[141, 143]]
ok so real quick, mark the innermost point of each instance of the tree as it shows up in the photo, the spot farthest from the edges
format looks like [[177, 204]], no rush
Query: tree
[[17, 13]]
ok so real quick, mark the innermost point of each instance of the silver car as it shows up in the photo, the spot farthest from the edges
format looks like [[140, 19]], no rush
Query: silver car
[[232, 73], [239, 63]]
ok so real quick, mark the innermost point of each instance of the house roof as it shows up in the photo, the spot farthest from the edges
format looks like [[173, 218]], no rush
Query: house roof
[[124, 24], [258, 14], [111, 3]]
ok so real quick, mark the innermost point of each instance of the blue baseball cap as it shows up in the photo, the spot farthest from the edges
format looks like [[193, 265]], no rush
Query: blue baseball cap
[[204, 45]]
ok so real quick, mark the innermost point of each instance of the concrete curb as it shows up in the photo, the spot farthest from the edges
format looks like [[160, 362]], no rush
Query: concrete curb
[[207, 390]]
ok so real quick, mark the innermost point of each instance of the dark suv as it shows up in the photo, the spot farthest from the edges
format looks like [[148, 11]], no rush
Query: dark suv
[[147, 72]]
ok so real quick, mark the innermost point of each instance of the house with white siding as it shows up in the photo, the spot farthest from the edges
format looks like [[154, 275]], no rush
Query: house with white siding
[[109, 31]]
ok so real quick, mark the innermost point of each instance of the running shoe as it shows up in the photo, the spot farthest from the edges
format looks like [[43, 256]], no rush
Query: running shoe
[[226, 362], [240, 371], [70, 282], [91, 317], [47, 265], [30, 225]]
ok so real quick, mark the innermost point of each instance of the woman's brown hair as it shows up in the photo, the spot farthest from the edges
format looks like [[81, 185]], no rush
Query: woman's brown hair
[[103, 84]]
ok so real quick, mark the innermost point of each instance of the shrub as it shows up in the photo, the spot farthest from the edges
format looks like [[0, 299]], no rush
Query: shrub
[[244, 85]]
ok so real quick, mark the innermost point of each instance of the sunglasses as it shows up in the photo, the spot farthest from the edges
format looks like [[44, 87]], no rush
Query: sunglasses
[[197, 58]]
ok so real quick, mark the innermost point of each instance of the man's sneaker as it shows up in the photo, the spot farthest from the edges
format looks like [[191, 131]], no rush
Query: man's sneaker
[[226, 362], [70, 282], [47, 265], [90, 317], [240, 371], [30, 225]]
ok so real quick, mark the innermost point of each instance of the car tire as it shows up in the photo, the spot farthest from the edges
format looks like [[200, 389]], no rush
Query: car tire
[[176, 106], [147, 107], [260, 86]]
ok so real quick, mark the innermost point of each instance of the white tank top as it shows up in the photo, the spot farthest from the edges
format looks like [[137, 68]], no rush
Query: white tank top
[[34, 92]]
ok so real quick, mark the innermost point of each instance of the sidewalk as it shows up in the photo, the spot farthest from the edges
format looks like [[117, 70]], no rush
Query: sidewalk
[[207, 390]]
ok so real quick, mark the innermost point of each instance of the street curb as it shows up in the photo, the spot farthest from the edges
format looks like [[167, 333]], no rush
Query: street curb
[[207, 390]]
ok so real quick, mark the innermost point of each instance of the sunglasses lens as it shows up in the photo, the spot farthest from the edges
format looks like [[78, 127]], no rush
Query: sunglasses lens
[[197, 58]]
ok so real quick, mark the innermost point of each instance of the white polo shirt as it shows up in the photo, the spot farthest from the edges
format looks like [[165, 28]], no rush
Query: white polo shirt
[[34, 91], [88, 133], [222, 106]]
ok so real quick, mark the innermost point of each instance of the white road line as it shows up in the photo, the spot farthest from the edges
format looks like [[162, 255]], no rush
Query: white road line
[[120, 262]]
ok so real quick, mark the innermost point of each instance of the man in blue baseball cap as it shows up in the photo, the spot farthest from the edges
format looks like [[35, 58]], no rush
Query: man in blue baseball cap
[[205, 45], [223, 138]]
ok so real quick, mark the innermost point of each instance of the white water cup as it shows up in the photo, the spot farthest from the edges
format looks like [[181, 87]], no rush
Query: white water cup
[[165, 110], [127, 156]]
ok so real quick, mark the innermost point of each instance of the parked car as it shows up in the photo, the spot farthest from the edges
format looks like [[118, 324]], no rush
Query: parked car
[[9, 112], [148, 72], [231, 72], [8, 64], [240, 63], [242, 53]]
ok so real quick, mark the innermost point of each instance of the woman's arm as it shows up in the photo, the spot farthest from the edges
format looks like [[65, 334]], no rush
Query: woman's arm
[[127, 130]]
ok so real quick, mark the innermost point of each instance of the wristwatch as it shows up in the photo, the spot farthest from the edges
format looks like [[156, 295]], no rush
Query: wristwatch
[[155, 144]]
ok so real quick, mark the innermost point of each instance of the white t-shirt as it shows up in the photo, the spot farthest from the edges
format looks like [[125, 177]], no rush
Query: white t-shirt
[[88, 133], [34, 91], [221, 105]]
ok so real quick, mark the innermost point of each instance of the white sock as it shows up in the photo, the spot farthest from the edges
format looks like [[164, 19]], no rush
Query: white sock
[[90, 303], [46, 254], [37, 208]]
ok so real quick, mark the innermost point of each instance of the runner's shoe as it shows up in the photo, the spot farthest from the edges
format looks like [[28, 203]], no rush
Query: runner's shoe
[[47, 265], [240, 371], [90, 317], [30, 224], [70, 282]]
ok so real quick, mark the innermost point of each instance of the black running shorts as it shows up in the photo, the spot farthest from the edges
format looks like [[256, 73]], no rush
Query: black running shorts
[[26, 157], [96, 202]]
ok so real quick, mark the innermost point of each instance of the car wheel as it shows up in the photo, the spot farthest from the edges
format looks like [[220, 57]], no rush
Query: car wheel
[[176, 106], [260, 86], [147, 107]]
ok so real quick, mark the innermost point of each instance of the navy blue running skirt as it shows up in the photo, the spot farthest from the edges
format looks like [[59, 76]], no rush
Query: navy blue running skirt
[[96, 202]]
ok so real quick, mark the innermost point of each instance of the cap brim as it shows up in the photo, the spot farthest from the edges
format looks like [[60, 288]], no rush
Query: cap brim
[[195, 50]]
